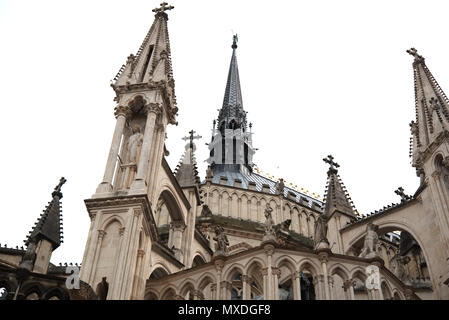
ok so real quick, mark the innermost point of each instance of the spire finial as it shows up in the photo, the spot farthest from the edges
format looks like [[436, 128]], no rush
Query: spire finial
[[413, 52], [235, 39], [191, 137], [163, 7], [57, 191], [400, 192], [332, 163]]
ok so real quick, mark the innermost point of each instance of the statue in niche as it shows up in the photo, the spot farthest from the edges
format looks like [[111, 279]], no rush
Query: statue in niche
[[370, 243], [132, 148], [134, 145], [222, 241], [398, 267], [320, 235], [269, 224]]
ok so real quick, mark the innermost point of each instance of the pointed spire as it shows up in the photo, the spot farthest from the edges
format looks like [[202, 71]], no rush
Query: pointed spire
[[153, 59], [432, 108], [232, 115], [49, 224], [187, 171], [336, 197]]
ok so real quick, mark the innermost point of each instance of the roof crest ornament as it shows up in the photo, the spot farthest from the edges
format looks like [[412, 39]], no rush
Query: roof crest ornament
[[163, 7]]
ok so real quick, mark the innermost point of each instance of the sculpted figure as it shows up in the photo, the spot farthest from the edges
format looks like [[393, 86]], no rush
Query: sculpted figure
[[398, 267], [321, 229], [29, 257], [134, 145], [222, 239], [370, 244], [269, 220]]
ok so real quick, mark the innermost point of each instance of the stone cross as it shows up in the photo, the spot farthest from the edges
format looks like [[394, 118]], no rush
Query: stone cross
[[61, 182], [400, 192], [413, 52], [331, 162], [191, 137], [163, 7]]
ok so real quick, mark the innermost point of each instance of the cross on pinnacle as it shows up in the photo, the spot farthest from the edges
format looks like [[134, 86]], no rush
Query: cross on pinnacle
[[400, 192], [191, 137], [331, 162], [61, 182], [57, 191], [163, 7]]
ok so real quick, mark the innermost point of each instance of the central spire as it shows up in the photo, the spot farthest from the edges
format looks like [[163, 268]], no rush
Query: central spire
[[231, 115], [231, 146]]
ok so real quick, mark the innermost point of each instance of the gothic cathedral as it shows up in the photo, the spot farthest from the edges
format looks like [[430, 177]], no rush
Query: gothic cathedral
[[236, 235]]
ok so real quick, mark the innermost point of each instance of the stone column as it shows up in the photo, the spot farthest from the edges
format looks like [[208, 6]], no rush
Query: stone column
[[331, 287], [276, 277], [106, 185], [178, 228], [265, 283], [101, 235], [139, 184], [246, 283], [318, 288], [297, 285], [135, 289], [323, 256], [219, 263], [347, 285], [269, 250], [213, 291]]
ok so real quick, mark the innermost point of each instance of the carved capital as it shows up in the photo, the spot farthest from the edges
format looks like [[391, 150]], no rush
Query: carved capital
[[153, 108], [246, 278], [92, 216], [323, 257], [269, 249], [124, 111], [101, 234], [276, 271], [177, 226], [121, 231], [137, 212], [264, 271], [140, 253], [219, 264], [436, 174], [226, 284]]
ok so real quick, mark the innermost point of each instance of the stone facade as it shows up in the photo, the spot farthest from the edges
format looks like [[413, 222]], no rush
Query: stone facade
[[159, 234]]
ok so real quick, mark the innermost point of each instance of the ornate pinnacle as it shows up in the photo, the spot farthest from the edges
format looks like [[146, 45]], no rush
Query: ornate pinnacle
[[163, 7], [414, 53], [57, 191], [400, 192], [235, 39]]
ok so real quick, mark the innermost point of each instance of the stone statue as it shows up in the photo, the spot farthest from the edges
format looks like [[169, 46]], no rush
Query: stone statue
[[29, 257], [269, 230], [320, 235], [222, 240], [280, 187], [134, 145], [370, 243], [397, 264], [205, 212], [285, 226], [209, 173]]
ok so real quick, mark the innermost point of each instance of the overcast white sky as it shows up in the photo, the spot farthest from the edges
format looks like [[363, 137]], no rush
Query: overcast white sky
[[318, 77]]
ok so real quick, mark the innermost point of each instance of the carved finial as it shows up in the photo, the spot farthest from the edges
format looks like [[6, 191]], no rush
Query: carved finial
[[163, 7], [414, 53], [332, 163], [400, 192], [235, 39], [57, 191], [191, 137]]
